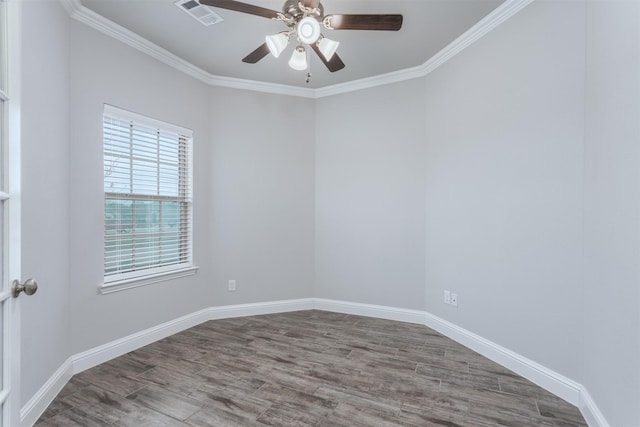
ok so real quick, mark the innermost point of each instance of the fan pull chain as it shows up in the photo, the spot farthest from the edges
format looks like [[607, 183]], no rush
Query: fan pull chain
[[308, 65]]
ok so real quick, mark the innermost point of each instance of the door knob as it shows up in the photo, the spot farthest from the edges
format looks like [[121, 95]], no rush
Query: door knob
[[29, 287]]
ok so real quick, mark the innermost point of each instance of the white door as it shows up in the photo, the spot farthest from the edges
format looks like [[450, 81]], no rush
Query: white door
[[9, 211]]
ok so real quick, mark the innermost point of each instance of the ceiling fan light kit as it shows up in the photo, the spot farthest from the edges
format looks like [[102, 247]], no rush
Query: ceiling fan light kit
[[304, 18], [298, 59], [328, 47], [277, 43]]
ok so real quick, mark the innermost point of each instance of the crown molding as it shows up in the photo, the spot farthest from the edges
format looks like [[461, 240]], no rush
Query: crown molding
[[502, 13], [369, 82], [98, 22], [71, 6], [260, 86], [487, 24]]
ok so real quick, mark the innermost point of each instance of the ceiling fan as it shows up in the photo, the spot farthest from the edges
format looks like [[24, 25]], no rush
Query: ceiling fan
[[304, 19]]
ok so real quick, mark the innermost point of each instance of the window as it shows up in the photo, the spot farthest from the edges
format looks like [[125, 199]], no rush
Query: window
[[147, 198]]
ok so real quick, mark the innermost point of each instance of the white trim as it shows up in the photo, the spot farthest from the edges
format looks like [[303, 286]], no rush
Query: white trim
[[39, 402], [502, 13], [550, 380], [98, 22], [97, 355], [369, 82], [590, 410], [77, 363], [130, 116], [546, 378], [490, 22], [71, 6], [258, 308], [135, 282], [82, 14], [280, 89], [379, 311], [12, 227]]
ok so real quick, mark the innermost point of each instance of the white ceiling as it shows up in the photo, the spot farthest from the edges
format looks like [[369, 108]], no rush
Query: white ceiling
[[429, 26]]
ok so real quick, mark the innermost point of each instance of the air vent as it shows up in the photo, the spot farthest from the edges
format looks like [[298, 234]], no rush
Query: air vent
[[204, 14]]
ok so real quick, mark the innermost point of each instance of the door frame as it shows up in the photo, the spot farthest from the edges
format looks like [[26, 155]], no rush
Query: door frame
[[12, 243]]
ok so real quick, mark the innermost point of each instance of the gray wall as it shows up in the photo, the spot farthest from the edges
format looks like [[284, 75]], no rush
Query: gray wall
[[253, 186], [370, 196], [103, 70], [468, 180], [504, 140], [261, 198], [45, 193], [483, 178], [612, 210]]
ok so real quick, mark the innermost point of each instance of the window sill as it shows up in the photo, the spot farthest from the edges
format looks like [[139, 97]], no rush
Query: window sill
[[146, 280]]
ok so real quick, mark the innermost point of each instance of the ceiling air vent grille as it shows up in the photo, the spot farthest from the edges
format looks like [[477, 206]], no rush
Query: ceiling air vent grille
[[204, 14]]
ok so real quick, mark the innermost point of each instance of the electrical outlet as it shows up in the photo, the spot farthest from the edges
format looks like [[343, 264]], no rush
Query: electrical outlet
[[447, 297], [454, 300], [232, 285]]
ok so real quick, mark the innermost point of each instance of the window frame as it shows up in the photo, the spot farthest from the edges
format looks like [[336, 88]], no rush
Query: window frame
[[117, 281]]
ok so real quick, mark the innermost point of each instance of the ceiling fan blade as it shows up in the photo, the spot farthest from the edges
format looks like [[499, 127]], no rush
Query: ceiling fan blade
[[334, 64], [363, 22], [242, 7], [257, 54]]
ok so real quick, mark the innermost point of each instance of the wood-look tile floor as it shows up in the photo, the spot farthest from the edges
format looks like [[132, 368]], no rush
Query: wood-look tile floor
[[306, 368]]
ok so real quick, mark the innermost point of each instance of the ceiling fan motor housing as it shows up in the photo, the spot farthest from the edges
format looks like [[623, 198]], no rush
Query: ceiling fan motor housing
[[292, 9]]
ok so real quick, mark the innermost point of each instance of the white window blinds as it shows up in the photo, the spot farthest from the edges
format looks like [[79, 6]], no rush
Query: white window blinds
[[147, 196]]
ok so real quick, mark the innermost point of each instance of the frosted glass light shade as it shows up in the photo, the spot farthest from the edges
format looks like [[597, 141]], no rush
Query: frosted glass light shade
[[327, 47], [276, 43], [298, 60], [308, 30]]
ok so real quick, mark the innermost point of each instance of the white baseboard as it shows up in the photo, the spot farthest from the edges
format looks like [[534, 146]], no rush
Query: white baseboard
[[254, 309], [379, 311], [113, 349], [550, 380], [590, 410], [36, 406], [97, 355]]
